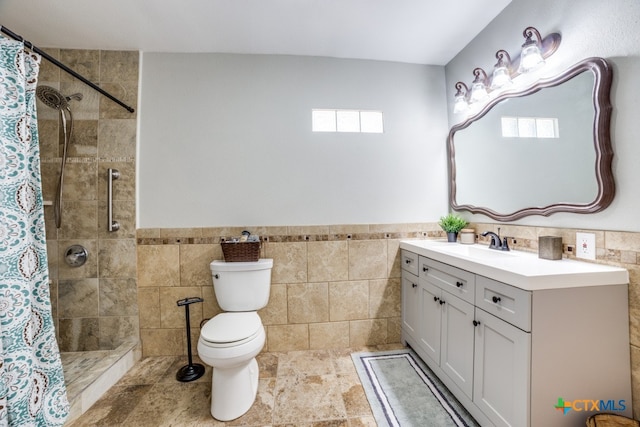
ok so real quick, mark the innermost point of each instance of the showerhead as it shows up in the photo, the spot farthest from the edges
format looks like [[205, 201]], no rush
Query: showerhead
[[54, 99]]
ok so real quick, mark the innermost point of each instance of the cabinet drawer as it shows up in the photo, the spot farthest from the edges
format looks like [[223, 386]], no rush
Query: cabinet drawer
[[454, 280], [504, 301], [409, 261]]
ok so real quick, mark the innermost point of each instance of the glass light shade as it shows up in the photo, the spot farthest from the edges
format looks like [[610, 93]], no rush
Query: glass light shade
[[460, 104], [530, 58], [478, 92], [501, 77]]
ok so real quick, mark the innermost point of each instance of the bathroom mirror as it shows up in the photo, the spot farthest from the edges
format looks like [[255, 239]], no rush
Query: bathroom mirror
[[537, 151]]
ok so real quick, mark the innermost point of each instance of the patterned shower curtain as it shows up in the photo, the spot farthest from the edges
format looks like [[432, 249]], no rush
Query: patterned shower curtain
[[32, 390]]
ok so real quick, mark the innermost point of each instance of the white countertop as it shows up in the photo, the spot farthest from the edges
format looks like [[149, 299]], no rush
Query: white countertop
[[522, 269]]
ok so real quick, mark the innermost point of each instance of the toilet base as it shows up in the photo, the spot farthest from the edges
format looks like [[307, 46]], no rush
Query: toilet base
[[233, 390]]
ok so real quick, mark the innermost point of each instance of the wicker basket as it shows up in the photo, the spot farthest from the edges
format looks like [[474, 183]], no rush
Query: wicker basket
[[611, 420], [241, 251]]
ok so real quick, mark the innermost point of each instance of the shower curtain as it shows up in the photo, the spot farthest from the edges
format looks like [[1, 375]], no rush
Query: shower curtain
[[32, 390]]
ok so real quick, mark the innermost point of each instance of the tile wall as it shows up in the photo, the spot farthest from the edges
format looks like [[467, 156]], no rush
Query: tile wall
[[332, 286], [94, 306]]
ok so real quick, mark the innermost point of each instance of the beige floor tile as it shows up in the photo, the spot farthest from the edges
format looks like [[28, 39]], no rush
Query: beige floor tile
[[149, 370], [115, 407], [308, 398], [314, 388], [305, 363], [173, 404]]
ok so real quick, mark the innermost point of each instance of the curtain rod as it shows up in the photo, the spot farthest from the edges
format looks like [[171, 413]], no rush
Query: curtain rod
[[55, 62]]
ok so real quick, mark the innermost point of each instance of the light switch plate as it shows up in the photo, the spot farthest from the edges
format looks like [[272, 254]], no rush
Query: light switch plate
[[586, 245]]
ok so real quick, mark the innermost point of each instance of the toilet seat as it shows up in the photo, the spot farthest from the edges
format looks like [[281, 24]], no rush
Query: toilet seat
[[231, 329]]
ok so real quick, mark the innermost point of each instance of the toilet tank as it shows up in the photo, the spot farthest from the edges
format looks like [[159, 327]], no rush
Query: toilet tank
[[242, 286]]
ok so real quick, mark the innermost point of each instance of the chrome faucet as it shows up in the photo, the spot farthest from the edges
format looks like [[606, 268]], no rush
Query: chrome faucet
[[495, 241]]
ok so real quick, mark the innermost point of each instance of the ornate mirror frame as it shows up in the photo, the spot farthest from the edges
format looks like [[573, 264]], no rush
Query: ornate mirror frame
[[601, 140]]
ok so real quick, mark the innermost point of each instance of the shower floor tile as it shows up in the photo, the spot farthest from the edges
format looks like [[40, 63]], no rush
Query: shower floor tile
[[85, 373], [291, 386]]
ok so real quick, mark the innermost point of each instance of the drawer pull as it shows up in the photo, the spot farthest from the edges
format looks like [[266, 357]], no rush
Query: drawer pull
[[476, 323], [495, 300], [425, 269], [459, 284], [407, 261], [413, 285]]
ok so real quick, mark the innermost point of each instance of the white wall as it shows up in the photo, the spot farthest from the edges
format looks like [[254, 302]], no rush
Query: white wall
[[226, 140], [607, 29]]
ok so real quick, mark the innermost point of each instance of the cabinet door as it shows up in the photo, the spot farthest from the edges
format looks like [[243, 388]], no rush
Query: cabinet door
[[431, 320], [457, 341], [502, 371], [410, 304]]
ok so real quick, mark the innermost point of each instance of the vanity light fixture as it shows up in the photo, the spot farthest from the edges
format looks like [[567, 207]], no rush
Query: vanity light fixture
[[531, 56], [502, 70], [460, 104], [479, 86], [534, 52]]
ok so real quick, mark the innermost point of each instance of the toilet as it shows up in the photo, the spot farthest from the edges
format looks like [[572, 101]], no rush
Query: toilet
[[230, 341]]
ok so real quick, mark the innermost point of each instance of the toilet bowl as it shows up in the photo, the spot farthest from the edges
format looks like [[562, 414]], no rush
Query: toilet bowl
[[230, 341]]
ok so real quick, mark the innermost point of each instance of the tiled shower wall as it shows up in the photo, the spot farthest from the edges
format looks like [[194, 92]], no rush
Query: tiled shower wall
[[94, 306], [332, 287]]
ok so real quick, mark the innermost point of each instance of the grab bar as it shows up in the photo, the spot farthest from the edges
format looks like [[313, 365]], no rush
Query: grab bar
[[112, 225]]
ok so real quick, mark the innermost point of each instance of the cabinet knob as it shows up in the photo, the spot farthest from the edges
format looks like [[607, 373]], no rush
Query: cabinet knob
[[413, 285], [436, 299], [495, 300], [407, 261], [459, 284], [425, 269], [476, 323], [441, 302]]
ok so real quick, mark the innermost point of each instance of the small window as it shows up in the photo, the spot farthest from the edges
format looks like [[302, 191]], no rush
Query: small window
[[348, 120], [530, 127], [354, 121], [371, 121], [324, 121]]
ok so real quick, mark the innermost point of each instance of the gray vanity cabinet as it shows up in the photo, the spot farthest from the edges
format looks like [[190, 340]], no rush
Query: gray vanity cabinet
[[501, 380], [410, 294], [446, 323], [410, 304], [473, 352], [502, 352], [509, 353]]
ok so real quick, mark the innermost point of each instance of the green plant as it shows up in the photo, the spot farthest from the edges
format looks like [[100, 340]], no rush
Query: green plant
[[452, 223]]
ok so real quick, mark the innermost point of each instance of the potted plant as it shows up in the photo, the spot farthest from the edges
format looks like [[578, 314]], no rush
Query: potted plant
[[452, 224]]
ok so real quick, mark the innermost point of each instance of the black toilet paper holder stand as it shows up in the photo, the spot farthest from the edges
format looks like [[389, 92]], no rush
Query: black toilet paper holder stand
[[192, 371]]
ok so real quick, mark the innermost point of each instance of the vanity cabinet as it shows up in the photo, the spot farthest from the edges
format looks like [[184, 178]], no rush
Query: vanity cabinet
[[501, 370], [509, 352], [446, 324], [410, 294]]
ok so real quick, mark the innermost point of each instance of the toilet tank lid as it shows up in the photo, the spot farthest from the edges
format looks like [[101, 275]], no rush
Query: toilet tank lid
[[261, 264]]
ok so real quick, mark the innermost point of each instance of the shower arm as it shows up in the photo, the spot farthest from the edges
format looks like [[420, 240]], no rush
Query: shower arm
[[58, 64]]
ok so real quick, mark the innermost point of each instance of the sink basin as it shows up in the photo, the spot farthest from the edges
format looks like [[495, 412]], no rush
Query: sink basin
[[476, 251]]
